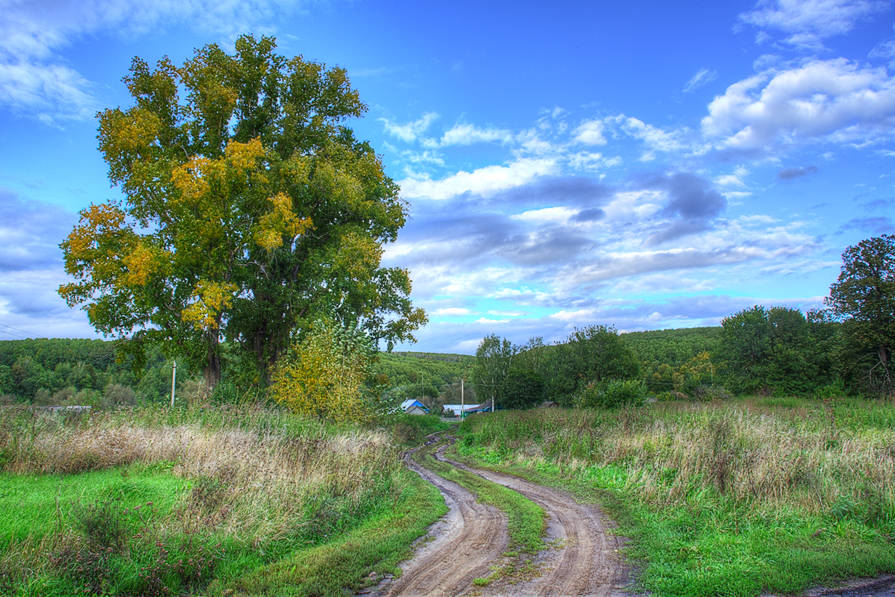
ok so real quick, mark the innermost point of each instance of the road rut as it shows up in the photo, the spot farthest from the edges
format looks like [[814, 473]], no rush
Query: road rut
[[472, 537]]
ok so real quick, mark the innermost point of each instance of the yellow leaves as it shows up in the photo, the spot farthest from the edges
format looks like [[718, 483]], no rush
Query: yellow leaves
[[143, 262], [244, 156], [358, 255], [191, 178], [279, 221], [210, 299], [131, 132], [324, 375]]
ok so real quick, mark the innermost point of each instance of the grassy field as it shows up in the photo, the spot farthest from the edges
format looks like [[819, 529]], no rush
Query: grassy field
[[228, 500], [720, 499]]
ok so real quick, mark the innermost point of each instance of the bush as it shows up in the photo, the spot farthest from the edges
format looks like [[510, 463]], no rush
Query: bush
[[613, 393], [118, 395]]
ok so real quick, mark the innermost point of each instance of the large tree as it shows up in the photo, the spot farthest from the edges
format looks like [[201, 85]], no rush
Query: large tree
[[249, 209], [864, 295]]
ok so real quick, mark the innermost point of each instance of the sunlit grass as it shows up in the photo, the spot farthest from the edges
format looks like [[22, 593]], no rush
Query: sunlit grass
[[726, 498]]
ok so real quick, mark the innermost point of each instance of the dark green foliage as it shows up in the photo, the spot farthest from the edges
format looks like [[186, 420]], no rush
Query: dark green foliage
[[865, 294], [672, 347], [493, 360], [418, 374], [523, 389], [592, 354], [613, 393], [777, 350]]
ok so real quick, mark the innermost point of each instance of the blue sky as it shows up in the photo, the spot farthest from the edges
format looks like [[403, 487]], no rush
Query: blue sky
[[646, 165]]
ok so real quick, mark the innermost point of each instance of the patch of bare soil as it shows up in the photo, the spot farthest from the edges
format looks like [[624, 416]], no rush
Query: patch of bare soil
[[472, 538], [585, 560], [465, 543], [884, 586]]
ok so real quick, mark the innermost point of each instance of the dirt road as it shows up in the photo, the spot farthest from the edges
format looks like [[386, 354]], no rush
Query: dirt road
[[472, 537]]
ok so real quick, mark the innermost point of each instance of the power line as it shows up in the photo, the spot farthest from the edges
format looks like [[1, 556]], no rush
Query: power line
[[11, 334], [12, 328]]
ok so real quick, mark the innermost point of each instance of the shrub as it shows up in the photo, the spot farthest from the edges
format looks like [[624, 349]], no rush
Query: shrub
[[118, 395], [613, 393]]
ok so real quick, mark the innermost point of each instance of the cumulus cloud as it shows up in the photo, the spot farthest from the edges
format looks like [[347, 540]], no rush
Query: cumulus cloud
[[591, 133], [793, 173], [34, 79], [656, 139], [484, 181], [703, 77], [410, 131], [467, 134], [808, 21], [821, 100]]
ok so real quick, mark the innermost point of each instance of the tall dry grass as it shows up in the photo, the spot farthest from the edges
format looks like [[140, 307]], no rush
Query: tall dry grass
[[258, 474], [813, 458]]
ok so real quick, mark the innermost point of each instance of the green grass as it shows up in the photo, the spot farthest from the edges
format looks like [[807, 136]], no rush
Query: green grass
[[730, 499], [152, 502], [376, 547], [33, 505]]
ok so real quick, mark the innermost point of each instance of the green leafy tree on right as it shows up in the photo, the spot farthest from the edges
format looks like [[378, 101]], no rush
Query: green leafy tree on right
[[864, 297]]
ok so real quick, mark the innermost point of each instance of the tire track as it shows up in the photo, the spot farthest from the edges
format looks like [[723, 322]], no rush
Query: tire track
[[475, 536], [587, 564]]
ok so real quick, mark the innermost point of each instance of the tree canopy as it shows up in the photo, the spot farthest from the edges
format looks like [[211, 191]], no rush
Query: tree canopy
[[249, 210], [864, 294]]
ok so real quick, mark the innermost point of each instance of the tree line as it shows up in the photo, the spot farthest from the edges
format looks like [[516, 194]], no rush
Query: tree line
[[845, 348]]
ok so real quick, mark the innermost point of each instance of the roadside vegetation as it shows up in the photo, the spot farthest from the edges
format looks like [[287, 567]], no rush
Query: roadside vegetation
[[732, 498], [157, 501]]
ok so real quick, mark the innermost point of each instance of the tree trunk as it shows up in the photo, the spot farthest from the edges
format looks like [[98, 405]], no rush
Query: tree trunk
[[212, 368]]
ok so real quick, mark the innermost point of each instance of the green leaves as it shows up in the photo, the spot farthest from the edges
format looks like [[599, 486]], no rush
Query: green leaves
[[249, 209], [865, 295]]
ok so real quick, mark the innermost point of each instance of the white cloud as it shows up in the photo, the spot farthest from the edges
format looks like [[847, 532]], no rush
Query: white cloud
[[547, 214], [733, 180], [580, 314], [833, 99], [467, 134], [484, 181], [34, 81], [884, 51], [591, 133], [51, 92], [452, 311], [592, 161], [703, 77], [410, 131], [808, 21]]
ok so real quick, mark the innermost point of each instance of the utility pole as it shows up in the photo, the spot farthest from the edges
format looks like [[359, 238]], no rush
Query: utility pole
[[462, 399], [173, 382]]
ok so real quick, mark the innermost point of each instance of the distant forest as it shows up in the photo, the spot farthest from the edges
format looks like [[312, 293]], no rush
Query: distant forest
[[787, 353]]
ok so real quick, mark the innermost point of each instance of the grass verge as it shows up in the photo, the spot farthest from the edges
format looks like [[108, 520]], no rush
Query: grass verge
[[147, 502], [721, 499], [353, 561]]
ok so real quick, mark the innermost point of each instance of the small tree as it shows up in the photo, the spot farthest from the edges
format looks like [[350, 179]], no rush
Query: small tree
[[324, 375], [864, 295], [493, 360], [592, 354]]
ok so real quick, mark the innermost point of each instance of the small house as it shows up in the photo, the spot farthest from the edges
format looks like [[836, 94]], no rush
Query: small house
[[414, 407]]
